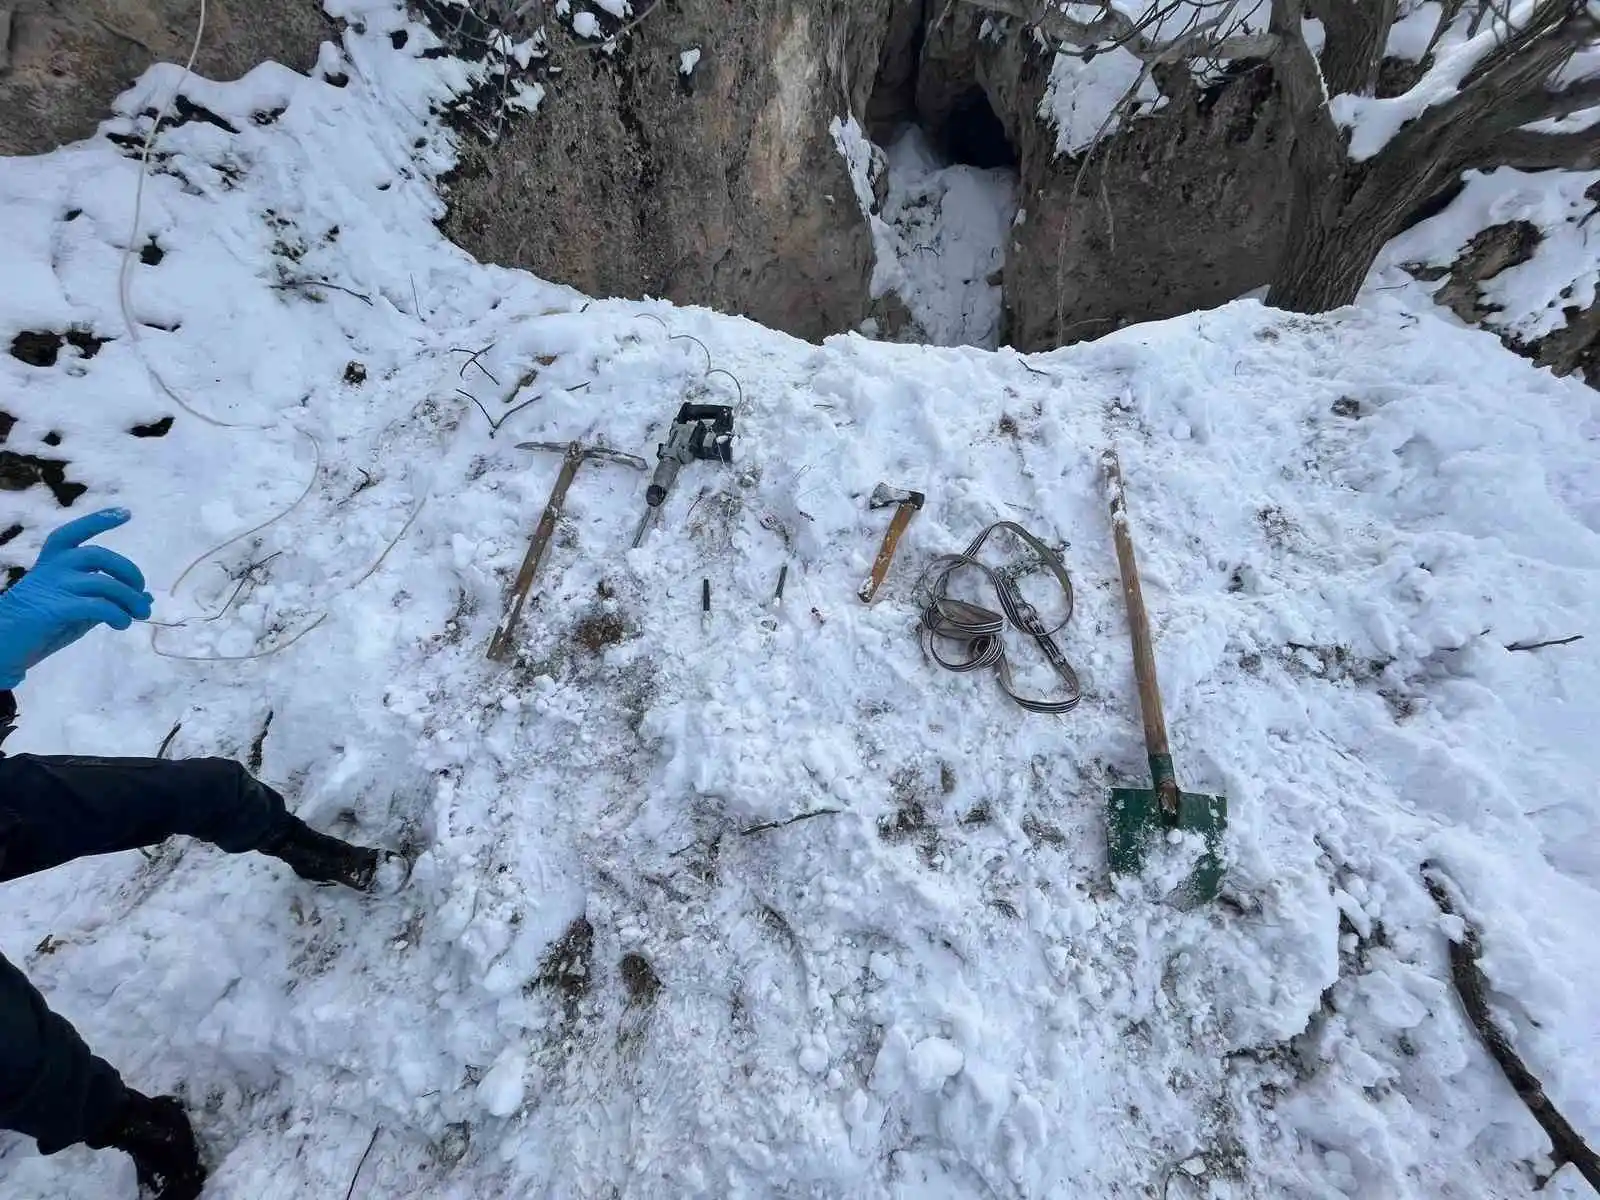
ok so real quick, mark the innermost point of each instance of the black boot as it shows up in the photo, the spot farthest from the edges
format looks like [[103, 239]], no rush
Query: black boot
[[157, 1133], [323, 859]]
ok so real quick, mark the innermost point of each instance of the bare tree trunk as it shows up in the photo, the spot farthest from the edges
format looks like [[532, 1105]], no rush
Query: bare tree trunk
[[1323, 268], [1341, 221], [1334, 238]]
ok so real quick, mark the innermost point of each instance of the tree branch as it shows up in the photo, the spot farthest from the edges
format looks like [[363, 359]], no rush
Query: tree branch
[[1567, 1145], [1548, 105], [1526, 151], [1220, 36], [1499, 94]]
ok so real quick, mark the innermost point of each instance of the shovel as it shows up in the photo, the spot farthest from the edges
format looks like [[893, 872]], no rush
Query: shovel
[[1141, 819]]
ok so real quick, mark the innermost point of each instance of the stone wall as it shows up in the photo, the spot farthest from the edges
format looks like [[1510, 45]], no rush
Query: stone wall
[[721, 187]]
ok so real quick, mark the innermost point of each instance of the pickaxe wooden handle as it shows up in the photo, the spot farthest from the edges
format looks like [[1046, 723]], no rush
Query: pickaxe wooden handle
[[891, 542], [572, 458]]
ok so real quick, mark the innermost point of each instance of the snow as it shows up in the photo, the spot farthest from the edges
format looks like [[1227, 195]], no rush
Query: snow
[[688, 61], [1413, 30], [940, 238], [586, 25], [1373, 122], [1082, 95], [1532, 298], [501, 1090], [929, 989]]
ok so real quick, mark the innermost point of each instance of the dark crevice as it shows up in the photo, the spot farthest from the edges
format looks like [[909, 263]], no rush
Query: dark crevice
[[975, 136], [893, 103], [185, 110]]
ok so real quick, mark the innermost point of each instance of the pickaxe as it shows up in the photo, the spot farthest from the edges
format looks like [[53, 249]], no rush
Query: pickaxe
[[574, 454], [909, 502]]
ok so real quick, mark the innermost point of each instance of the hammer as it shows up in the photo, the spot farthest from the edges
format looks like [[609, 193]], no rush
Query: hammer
[[573, 456], [882, 496]]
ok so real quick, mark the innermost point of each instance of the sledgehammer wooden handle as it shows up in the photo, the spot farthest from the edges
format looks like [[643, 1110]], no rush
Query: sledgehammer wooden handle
[[891, 541]]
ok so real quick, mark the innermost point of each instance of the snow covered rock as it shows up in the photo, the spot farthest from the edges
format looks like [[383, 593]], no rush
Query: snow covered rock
[[61, 64], [1511, 253]]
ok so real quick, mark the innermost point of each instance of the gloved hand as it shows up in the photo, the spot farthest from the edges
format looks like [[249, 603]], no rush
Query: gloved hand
[[71, 589]]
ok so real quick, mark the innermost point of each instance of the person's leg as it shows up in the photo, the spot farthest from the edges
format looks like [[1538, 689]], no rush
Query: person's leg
[[62, 808], [51, 1087], [53, 810], [56, 1092]]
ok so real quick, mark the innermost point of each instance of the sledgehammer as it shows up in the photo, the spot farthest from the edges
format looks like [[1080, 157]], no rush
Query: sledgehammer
[[909, 503]]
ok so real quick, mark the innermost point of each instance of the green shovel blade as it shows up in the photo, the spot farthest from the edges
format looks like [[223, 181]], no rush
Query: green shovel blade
[[1137, 825]]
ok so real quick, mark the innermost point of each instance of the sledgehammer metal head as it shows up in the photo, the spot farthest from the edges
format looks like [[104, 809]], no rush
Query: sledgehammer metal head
[[882, 497]]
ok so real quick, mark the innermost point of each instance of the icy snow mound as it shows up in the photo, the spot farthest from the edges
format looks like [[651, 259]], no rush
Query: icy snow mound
[[607, 978]]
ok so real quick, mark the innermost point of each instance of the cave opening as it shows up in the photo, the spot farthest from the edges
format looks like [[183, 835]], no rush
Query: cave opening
[[947, 195], [974, 135]]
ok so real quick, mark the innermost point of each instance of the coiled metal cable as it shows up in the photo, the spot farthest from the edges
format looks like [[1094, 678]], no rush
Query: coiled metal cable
[[979, 630]]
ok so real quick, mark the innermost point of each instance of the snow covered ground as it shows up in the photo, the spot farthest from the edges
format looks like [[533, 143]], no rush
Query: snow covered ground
[[606, 980]]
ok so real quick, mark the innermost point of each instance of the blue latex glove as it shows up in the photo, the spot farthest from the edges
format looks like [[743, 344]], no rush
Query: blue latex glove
[[71, 589]]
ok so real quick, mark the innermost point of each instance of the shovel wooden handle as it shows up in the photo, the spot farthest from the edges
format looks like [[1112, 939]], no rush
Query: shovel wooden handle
[[1144, 655]]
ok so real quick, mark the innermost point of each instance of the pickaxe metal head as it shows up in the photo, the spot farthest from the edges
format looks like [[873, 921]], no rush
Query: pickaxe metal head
[[883, 496], [579, 450]]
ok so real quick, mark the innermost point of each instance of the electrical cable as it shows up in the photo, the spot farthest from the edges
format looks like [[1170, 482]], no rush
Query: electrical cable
[[124, 286]]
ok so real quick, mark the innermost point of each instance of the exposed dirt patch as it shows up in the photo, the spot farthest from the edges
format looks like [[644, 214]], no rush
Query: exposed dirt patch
[[42, 347], [599, 630], [640, 979], [21, 471], [1041, 832], [258, 747], [567, 968], [153, 430]]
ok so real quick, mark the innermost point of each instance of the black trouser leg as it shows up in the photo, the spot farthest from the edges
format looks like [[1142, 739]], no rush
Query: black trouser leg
[[51, 1087], [66, 808], [53, 810]]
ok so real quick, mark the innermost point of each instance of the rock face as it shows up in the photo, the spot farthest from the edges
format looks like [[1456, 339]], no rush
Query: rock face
[[1182, 210], [1575, 347], [691, 158], [65, 60], [717, 185]]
